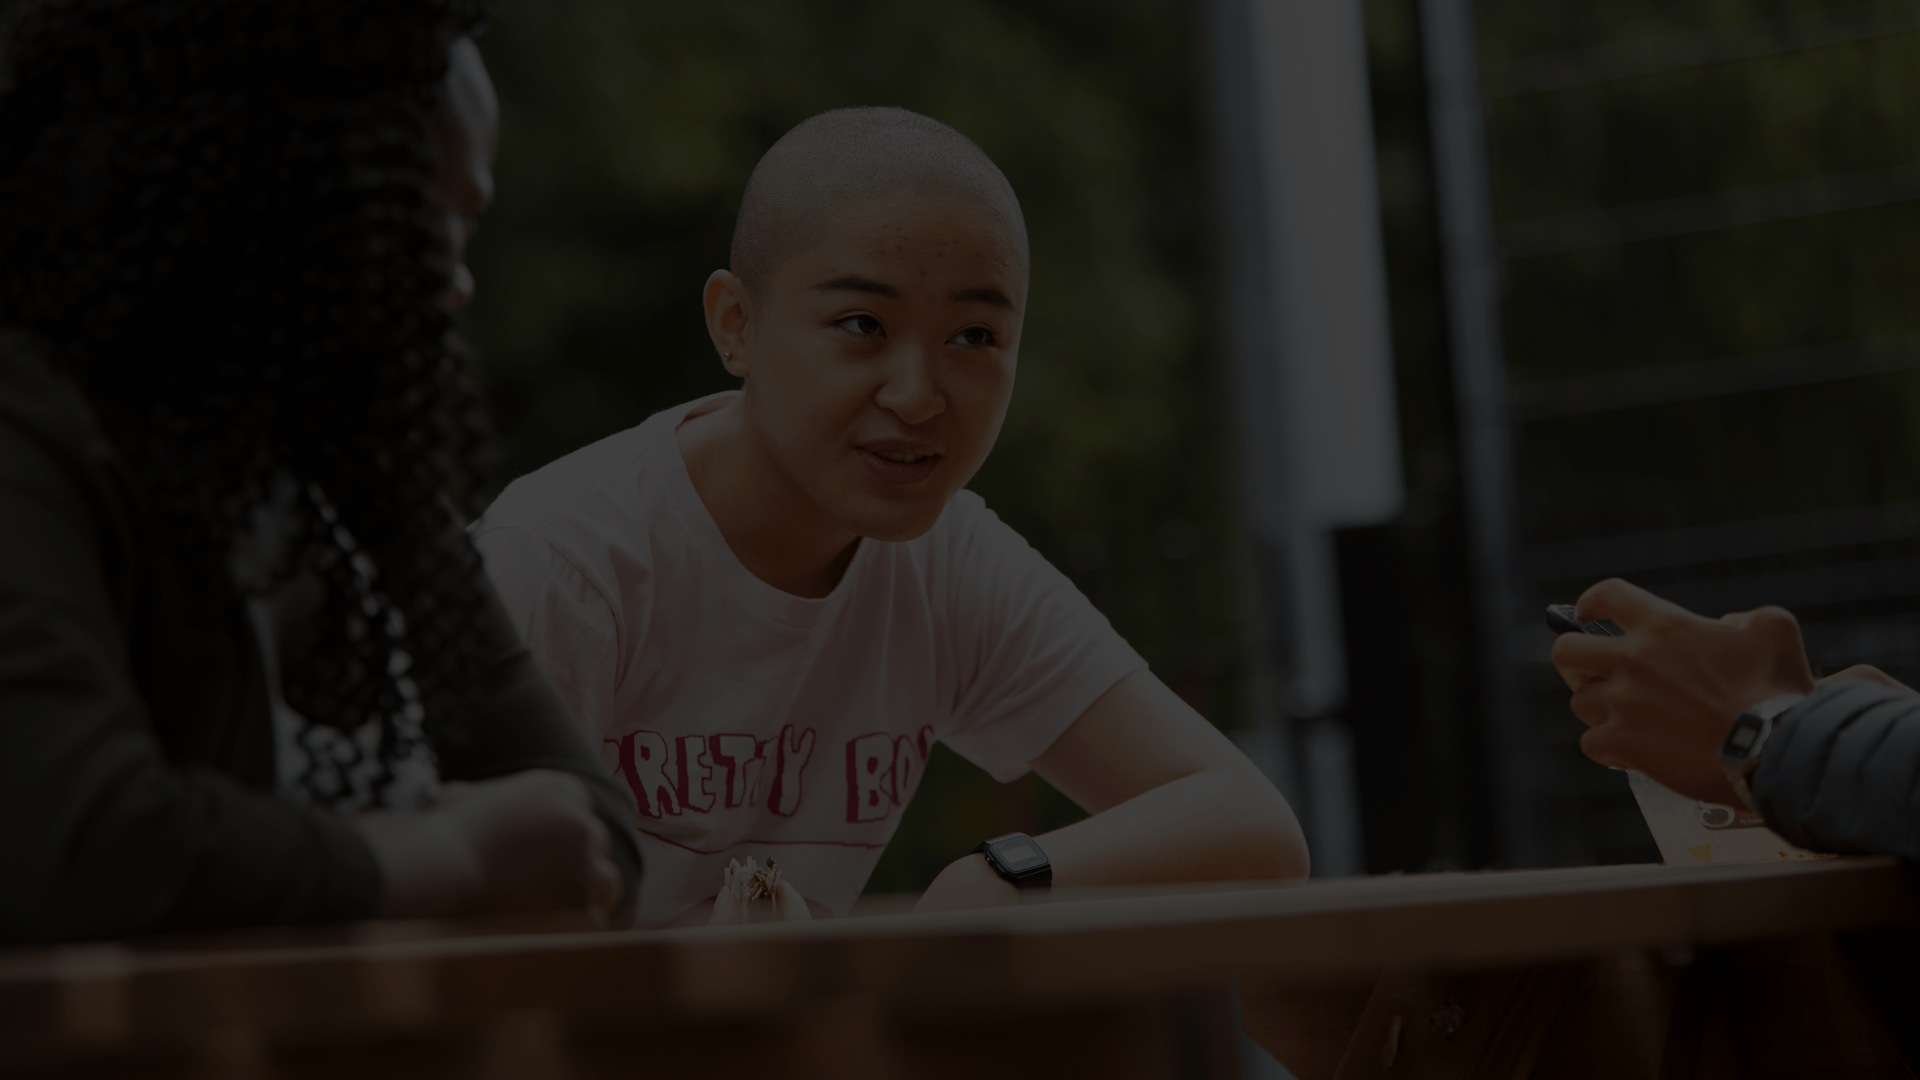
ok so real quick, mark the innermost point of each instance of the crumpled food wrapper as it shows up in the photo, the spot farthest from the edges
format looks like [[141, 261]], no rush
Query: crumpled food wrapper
[[754, 894]]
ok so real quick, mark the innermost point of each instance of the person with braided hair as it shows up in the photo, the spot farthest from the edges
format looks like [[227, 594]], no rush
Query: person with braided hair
[[252, 671]]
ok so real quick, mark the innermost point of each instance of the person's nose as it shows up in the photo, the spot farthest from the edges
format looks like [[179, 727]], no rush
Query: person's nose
[[911, 391], [460, 230], [460, 290]]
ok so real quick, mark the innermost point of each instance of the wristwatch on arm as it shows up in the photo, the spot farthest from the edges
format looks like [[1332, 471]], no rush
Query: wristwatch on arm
[[1747, 740], [1018, 858]]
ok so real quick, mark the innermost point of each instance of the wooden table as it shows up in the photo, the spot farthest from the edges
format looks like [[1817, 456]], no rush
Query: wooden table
[[1600, 972]]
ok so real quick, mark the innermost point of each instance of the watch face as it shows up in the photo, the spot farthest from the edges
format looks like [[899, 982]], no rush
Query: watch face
[[1741, 738], [1018, 855]]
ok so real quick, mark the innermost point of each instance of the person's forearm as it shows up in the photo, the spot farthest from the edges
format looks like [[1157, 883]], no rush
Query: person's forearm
[[1842, 775], [1211, 826], [1215, 825]]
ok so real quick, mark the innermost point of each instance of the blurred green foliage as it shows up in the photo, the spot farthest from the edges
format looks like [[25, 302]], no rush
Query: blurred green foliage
[[1601, 115], [1704, 131], [1687, 128], [628, 132], [1811, 97]]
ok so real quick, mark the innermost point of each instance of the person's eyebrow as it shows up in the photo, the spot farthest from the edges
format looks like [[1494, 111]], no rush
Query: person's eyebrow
[[983, 295], [860, 284]]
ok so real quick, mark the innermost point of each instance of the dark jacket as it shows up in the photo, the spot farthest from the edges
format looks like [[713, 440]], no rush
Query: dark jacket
[[1842, 772], [136, 750]]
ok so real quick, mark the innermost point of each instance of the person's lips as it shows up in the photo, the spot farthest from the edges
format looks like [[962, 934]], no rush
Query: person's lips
[[897, 461]]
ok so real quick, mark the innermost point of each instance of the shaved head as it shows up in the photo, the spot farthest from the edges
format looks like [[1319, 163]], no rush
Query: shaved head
[[840, 159]]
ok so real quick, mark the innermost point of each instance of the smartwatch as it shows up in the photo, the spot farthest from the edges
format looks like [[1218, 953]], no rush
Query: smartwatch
[[1018, 858], [1747, 740]]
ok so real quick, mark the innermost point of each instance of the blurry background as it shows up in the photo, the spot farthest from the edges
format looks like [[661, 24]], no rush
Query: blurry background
[[1696, 368], [1359, 333]]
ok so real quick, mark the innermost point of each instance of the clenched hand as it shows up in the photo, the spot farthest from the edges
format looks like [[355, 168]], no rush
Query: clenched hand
[[1660, 698], [525, 842]]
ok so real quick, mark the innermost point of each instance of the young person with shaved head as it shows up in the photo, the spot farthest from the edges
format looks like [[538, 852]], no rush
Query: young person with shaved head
[[767, 605]]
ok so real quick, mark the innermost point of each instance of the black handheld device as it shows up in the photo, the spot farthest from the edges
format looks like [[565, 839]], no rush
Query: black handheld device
[[1561, 620]]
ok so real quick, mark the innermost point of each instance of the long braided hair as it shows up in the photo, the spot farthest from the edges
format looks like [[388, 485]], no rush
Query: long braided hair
[[220, 216]]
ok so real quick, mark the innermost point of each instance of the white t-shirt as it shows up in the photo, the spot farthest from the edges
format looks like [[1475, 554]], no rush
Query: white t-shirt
[[748, 721]]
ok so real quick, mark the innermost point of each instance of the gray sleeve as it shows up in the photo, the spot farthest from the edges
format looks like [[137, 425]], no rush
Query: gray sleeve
[[105, 836], [1842, 772]]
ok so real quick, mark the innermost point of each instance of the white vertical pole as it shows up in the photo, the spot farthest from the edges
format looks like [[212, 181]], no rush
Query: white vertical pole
[[1246, 275], [1329, 306], [1319, 427]]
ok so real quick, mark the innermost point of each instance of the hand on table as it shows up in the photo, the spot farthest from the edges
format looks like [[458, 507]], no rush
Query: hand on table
[[526, 842], [967, 883], [1660, 698]]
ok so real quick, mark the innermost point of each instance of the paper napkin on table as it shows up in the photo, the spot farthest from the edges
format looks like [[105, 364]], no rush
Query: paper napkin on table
[[1691, 832]]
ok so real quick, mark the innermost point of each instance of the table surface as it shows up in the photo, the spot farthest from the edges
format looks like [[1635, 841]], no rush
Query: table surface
[[1090, 946]]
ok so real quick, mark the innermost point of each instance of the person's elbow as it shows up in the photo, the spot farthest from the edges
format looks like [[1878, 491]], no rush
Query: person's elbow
[[1272, 845]]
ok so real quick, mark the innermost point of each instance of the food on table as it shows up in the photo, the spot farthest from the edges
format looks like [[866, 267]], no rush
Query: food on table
[[755, 893]]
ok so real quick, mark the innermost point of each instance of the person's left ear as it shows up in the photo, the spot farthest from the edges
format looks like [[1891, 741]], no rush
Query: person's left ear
[[729, 320]]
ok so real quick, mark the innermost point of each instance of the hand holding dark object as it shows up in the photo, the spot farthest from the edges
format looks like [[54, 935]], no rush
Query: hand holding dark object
[[1660, 698], [1563, 619], [525, 842]]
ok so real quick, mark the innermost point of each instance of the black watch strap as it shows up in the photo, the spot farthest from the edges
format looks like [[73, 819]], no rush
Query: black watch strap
[[1018, 858]]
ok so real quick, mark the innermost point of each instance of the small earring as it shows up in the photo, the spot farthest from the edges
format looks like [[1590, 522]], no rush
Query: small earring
[[726, 358]]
